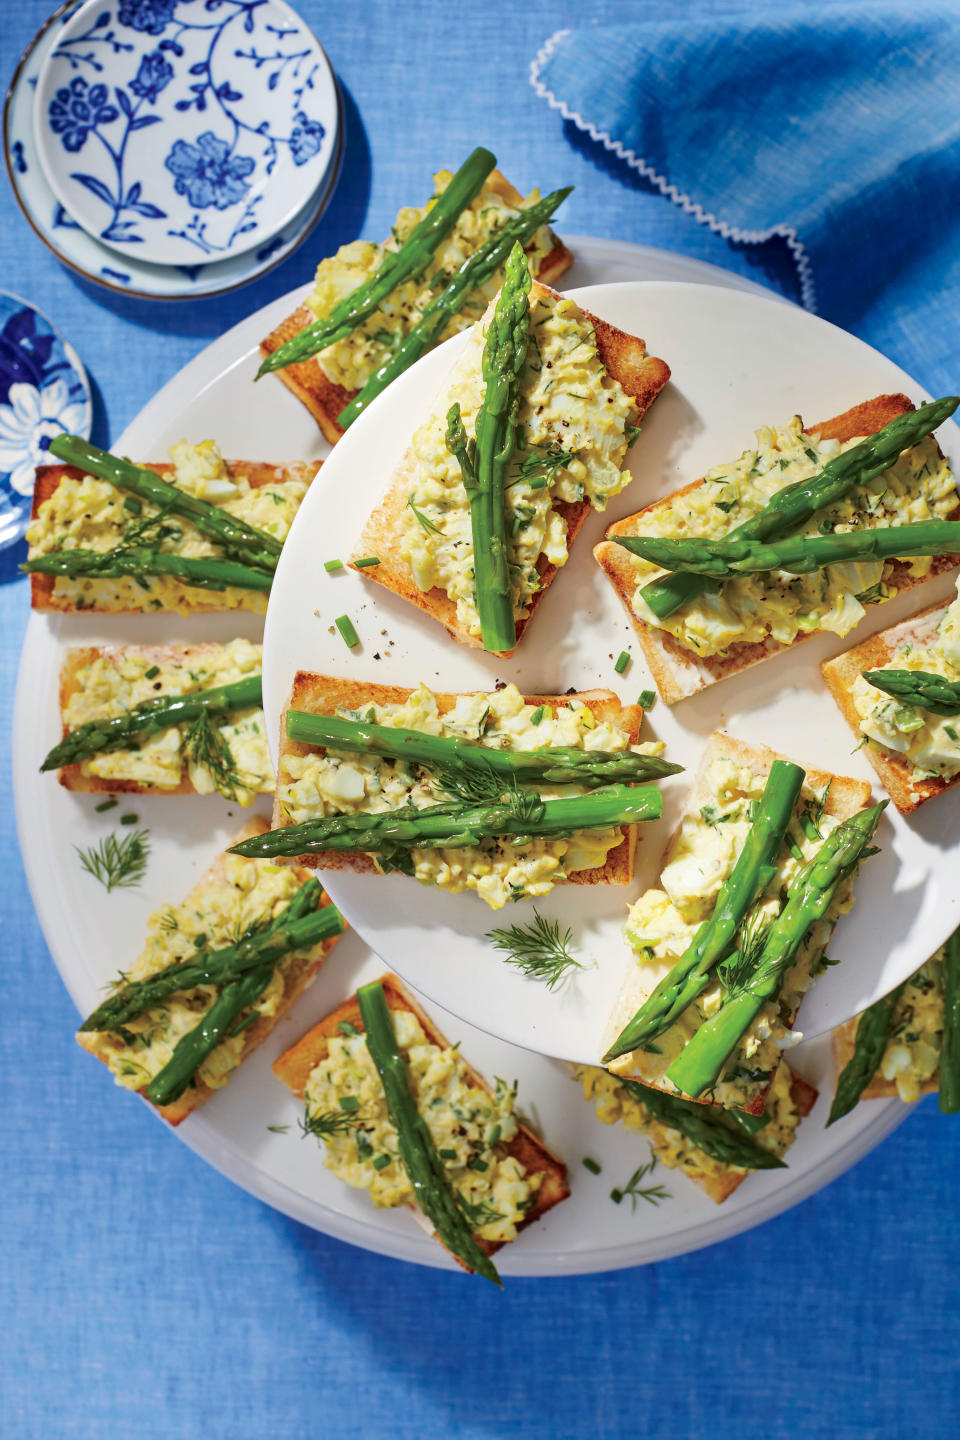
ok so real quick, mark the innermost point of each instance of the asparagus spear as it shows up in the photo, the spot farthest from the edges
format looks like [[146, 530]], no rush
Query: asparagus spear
[[809, 896], [518, 818], [562, 765], [397, 266], [484, 465], [298, 927], [475, 271], [240, 540], [753, 871], [792, 506], [118, 732], [874, 1029], [950, 1040], [418, 1154], [797, 554], [205, 573], [918, 687], [706, 1127]]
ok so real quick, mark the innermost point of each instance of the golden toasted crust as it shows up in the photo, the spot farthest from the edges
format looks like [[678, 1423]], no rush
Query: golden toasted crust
[[322, 397], [721, 1187], [678, 672], [905, 787], [298, 977], [325, 694], [845, 797], [642, 376], [49, 477], [295, 1065], [71, 776], [842, 1042]]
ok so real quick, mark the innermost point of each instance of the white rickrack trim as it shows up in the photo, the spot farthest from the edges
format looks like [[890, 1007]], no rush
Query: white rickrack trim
[[643, 167]]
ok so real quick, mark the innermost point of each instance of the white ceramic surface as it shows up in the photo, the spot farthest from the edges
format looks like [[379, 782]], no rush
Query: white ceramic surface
[[177, 133], [96, 261], [738, 361], [213, 396]]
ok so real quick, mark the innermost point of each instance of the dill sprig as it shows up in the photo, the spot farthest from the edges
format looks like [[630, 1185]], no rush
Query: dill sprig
[[540, 465], [206, 744], [119, 861], [327, 1123], [478, 1212], [539, 949], [653, 1194], [481, 786], [737, 969]]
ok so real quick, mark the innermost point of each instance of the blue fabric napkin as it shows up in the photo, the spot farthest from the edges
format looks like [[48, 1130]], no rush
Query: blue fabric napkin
[[837, 129]]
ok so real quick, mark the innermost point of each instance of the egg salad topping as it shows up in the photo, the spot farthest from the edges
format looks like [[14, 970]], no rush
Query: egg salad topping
[[118, 680], [931, 743], [778, 605], [663, 922], [470, 1128], [912, 1056], [615, 1105], [574, 430], [215, 914], [91, 514], [351, 361], [331, 783]]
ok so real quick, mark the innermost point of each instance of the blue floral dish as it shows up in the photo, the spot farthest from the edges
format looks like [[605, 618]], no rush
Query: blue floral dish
[[43, 391], [185, 131]]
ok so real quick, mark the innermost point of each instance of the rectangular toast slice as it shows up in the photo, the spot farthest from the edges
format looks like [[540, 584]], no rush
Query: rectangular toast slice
[[323, 398], [680, 672], [49, 477], [325, 694], [295, 1065], [642, 376], [845, 797], [297, 977], [72, 777], [906, 787]]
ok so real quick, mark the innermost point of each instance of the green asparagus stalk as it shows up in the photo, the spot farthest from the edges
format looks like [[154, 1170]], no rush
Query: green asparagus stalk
[[918, 687], [809, 897], [240, 540], [562, 765], [874, 1028], [797, 554], [418, 1154], [119, 732], [950, 1039], [519, 818], [706, 1127], [397, 266], [298, 927], [141, 564], [792, 506], [753, 871], [475, 271]]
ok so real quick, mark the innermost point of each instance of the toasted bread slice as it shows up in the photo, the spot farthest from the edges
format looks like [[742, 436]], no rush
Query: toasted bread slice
[[679, 672], [721, 1187], [71, 777], [843, 1042], [907, 789], [640, 375], [295, 1065], [322, 397], [298, 977], [49, 477], [845, 797], [325, 694]]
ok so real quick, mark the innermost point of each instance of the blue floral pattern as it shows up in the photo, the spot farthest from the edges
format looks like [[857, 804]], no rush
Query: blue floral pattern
[[154, 75], [151, 16], [76, 110], [207, 173]]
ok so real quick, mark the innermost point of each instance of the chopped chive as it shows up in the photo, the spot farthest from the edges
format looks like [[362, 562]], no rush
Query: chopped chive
[[129, 819], [349, 1102], [348, 634], [591, 1165], [616, 1196], [278, 1129], [623, 660], [494, 1135], [346, 1028], [447, 1154], [478, 1165], [381, 1162], [332, 565], [152, 673], [110, 804], [951, 732], [539, 713], [365, 564], [646, 699]]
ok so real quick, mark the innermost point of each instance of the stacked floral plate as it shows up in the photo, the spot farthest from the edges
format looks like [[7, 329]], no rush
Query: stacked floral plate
[[173, 148]]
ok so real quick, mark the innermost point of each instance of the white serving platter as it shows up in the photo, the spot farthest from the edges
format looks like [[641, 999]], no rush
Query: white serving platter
[[92, 934]]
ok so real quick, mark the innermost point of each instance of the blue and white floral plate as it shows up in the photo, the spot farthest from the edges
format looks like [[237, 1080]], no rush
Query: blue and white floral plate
[[178, 131], [93, 259], [43, 391]]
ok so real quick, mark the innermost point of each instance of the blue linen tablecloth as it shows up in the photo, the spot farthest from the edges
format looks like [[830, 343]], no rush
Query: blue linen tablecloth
[[143, 1294]]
